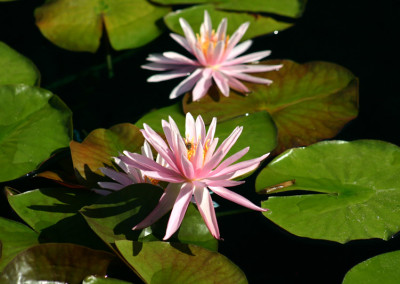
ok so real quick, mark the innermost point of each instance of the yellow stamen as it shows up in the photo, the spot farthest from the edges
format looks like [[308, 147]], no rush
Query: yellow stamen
[[151, 180]]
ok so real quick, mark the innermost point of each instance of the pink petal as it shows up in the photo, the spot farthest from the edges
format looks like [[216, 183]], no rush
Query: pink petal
[[234, 197], [146, 150], [210, 151], [182, 41], [252, 79], [197, 158], [163, 176], [237, 85], [252, 68], [187, 30], [190, 128], [239, 49], [223, 183], [221, 31], [170, 75], [230, 141], [158, 66], [187, 168], [222, 83], [232, 159], [207, 24], [202, 85], [200, 129], [186, 84], [206, 208], [200, 56], [179, 209], [179, 58], [165, 204], [217, 53], [119, 177], [110, 185], [211, 131], [236, 37], [247, 58]]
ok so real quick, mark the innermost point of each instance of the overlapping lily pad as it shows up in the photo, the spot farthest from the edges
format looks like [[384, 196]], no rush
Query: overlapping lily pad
[[100, 146], [259, 25], [290, 8], [56, 263], [308, 102], [53, 212], [14, 238], [19, 68], [114, 216], [161, 262], [383, 268], [259, 132], [354, 190], [33, 124], [78, 25]]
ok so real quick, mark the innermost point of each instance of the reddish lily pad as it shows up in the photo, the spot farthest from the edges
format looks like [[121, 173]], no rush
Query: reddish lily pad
[[56, 263], [162, 262], [100, 146], [78, 25], [308, 102]]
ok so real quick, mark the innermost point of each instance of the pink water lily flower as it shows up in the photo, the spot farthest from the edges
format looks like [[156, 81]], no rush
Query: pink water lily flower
[[194, 165], [216, 59]]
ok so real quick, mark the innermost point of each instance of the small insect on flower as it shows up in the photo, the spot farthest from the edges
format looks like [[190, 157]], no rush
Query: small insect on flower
[[192, 169], [216, 59]]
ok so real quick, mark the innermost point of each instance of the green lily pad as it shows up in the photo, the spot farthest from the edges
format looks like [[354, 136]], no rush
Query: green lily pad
[[383, 268], [308, 102], [100, 146], [259, 25], [289, 8], [56, 263], [19, 68], [14, 238], [78, 25], [33, 124], [53, 212], [161, 262], [113, 217], [354, 190], [259, 131]]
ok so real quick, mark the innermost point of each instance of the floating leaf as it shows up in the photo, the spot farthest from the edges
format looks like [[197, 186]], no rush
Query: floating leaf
[[354, 190], [113, 217], [259, 25], [64, 263], [53, 212], [14, 238], [19, 69], [100, 146], [78, 25], [290, 8], [161, 262], [380, 269], [259, 132], [308, 102], [34, 124]]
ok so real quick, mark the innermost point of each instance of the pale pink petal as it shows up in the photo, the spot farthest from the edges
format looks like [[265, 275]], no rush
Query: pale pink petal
[[165, 204], [210, 151], [202, 85], [222, 83], [234, 197], [170, 75], [247, 58], [236, 37], [252, 68], [110, 185], [182, 41], [206, 209], [190, 128], [146, 150], [230, 141], [200, 56], [164, 176], [224, 183], [211, 131], [252, 79], [179, 58], [239, 49], [158, 66], [187, 168], [207, 24], [217, 53], [237, 85], [179, 209], [221, 31], [200, 129], [230, 160], [187, 30], [122, 178], [198, 158], [186, 84]]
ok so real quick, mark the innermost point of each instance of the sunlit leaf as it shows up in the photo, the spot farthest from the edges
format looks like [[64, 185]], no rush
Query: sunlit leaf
[[308, 102], [259, 24], [78, 25], [161, 262], [100, 146], [33, 124], [53, 212], [14, 238], [19, 68], [259, 131], [354, 190], [56, 263], [383, 268]]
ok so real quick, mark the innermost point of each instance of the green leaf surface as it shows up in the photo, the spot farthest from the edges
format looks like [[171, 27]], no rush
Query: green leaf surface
[[161, 262], [53, 212], [14, 238], [100, 146], [308, 102], [380, 269], [289, 8], [16, 68], [259, 25], [354, 190], [78, 25], [113, 217], [33, 124], [259, 131], [56, 263], [102, 280]]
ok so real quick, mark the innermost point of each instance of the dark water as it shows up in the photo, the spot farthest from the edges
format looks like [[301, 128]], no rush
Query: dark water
[[358, 35]]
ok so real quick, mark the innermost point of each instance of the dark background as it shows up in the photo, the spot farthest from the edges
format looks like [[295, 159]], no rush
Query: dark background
[[359, 35]]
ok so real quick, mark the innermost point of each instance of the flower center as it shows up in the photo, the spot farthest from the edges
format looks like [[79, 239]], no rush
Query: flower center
[[204, 41], [192, 148], [151, 180]]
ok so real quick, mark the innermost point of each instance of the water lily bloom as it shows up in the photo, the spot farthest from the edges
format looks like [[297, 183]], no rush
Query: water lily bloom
[[194, 165], [216, 59]]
